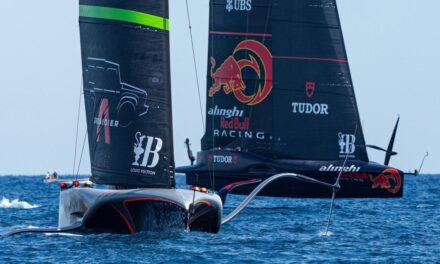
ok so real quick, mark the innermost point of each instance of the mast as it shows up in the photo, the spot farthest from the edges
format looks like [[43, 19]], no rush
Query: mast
[[127, 90], [279, 83]]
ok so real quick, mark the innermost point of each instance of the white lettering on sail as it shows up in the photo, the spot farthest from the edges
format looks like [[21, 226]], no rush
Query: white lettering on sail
[[346, 144], [150, 153], [309, 109], [154, 152], [238, 134], [238, 5], [227, 113]]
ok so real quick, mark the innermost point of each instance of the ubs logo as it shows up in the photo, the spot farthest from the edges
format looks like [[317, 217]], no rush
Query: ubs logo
[[239, 5], [346, 144], [150, 152]]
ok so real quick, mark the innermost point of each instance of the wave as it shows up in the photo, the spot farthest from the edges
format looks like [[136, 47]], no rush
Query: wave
[[423, 205], [17, 204], [63, 234], [324, 233]]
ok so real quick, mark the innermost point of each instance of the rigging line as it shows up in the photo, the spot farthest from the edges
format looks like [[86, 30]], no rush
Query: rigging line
[[194, 195], [77, 126], [195, 64], [336, 187], [80, 158], [212, 100]]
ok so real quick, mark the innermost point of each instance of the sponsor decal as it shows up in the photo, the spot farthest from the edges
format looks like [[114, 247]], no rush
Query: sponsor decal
[[237, 128], [355, 176], [227, 113], [333, 168], [310, 89], [308, 109], [238, 5], [103, 77], [305, 108], [239, 134], [389, 179], [229, 75], [103, 121], [222, 159], [347, 145], [146, 156], [235, 123]]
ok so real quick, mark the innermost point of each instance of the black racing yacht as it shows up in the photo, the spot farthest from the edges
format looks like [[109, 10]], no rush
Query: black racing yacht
[[127, 91], [280, 98]]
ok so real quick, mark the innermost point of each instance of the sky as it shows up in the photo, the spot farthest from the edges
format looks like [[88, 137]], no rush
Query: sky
[[393, 48]]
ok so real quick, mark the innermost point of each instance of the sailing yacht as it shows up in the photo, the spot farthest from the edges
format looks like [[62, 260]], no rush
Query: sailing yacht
[[280, 98], [127, 91], [282, 118]]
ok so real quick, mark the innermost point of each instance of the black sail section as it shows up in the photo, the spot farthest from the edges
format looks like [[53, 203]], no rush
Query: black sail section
[[279, 83], [239, 78], [315, 114], [126, 79]]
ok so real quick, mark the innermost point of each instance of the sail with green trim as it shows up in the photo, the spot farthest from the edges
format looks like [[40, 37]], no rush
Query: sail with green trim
[[126, 79]]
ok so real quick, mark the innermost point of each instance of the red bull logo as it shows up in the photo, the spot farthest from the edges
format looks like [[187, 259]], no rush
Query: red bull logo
[[229, 75], [389, 179]]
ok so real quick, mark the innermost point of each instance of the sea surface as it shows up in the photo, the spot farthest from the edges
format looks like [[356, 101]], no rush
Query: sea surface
[[270, 230]]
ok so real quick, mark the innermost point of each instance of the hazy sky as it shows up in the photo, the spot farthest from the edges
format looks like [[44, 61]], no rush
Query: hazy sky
[[393, 48]]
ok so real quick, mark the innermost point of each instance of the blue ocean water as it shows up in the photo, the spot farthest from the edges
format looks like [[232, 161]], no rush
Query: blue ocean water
[[270, 230]]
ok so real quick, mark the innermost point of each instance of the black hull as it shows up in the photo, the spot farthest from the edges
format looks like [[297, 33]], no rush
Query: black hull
[[138, 210], [359, 179]]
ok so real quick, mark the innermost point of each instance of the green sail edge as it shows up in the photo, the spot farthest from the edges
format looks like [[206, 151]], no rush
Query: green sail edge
[[124, 15]]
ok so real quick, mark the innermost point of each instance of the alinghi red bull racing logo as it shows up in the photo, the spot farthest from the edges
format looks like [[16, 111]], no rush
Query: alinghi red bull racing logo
[[229, 75], [389, 179]]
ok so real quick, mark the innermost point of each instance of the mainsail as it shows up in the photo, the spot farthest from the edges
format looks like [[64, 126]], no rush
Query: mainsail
[[126, 69], [279, 83]]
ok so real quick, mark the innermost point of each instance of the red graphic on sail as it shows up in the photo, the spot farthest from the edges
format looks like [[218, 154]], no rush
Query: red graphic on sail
[[229, 75], [310, 89], [103, 115]]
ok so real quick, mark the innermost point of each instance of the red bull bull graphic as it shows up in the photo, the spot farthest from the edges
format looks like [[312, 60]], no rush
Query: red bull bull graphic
[[229, 75], [389, 179]]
